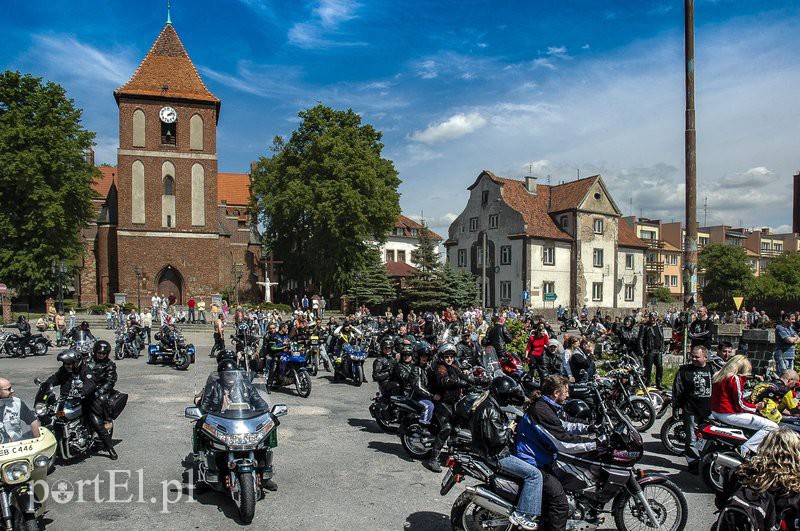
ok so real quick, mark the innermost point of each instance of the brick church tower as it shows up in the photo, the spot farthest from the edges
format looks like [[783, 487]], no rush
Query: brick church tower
[[167, 177]]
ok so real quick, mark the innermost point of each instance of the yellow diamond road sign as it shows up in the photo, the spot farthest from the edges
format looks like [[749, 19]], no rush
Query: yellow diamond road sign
[[738, 302]]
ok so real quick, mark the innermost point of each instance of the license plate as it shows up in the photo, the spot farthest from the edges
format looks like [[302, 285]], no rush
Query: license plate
[[700, 444], [447, 482]]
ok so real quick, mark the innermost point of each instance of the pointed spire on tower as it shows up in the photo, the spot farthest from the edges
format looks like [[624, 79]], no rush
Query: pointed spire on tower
[[169, 18]]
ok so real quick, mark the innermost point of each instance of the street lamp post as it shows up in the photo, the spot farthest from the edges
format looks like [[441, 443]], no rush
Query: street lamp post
[[59, 269], [139, 272], [238, 272]]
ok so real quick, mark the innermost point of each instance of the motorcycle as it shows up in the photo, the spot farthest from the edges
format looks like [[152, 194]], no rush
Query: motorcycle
[[291, 369], [25, 462], [350, 364], [635, 384], [573, 323], [717, 444], [238, 438], [171, 348], [591, 481], [673, 435], [82, 342], [247, 354], [11, 344], [63, 415], [129, 343]]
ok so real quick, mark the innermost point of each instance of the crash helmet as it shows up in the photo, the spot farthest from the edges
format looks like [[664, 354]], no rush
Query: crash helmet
[[652, 315], [71, 356], [578, 409], [428, 317], [387, 343], [506, 390], [102, 347], [407, 349], [628, 321], [227, 364], [21, 319], [446, 348], [84, 325], [227, 370], [422, 348]]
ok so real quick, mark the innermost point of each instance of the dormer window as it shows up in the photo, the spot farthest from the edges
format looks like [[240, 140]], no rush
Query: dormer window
[[414, 232]]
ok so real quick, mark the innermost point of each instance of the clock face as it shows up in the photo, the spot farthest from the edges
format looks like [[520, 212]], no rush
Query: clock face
[[167, 115]]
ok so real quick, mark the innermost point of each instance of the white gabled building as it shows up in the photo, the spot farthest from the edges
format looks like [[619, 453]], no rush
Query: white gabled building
[[565, 240], [403, 239]]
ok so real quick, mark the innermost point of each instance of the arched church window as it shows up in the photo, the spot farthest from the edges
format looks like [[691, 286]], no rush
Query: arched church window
[[169, 185], [196, 132], [198, 195], [138, 128]]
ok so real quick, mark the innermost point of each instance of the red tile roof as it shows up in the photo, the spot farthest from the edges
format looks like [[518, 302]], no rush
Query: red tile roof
[[400, 269], [627, 236], [407, 224], [167, 65], [102, 184], [569, 195], [233, 188]]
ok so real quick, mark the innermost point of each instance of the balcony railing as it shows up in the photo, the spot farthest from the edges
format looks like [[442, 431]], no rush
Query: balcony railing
[[654, 266], [655, 244]]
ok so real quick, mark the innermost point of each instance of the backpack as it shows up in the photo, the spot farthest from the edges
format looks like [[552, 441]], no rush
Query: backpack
[[747, 510]]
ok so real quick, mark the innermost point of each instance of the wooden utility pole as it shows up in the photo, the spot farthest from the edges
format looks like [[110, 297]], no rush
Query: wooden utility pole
[[690, 240]]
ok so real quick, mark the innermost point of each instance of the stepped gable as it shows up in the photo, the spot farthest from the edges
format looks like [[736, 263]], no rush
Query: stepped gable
[[167, 71]]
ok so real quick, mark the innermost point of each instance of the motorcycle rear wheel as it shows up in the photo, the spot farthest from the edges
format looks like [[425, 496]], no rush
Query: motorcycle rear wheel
[[641, 413], [411, 439], [467, 516], [666, 500], [712, 474], [673, 436], [40, 348], [302, 383]]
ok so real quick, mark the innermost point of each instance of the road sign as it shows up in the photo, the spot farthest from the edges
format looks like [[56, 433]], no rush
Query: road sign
[[550, 296], [738, 302], [525, 295]]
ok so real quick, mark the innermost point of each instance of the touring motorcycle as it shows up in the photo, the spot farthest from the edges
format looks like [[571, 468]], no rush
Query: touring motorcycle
[[11, 345], [171, 348]]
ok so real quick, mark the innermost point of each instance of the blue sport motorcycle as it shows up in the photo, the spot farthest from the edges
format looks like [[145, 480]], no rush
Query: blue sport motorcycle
[[350, 364], [292, 370]]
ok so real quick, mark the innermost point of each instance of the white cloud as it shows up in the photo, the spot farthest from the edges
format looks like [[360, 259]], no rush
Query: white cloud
[[78, 60], [454, 127], [427, 69], [544, 63], [321, 31], [557, 51], [333, 12]]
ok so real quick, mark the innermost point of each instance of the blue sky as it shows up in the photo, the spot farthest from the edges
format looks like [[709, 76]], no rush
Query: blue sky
[[456, 87]]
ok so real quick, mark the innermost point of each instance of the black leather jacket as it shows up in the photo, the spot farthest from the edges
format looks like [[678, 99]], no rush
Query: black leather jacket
[[24, 328], [498, 336], [650, 338], [451, 382], [700, 332], [402, 375], [490, 434], [419, 383], [468, 353], [382, 369], [582, 361], [66, 381], [628, 339], [105, 376]]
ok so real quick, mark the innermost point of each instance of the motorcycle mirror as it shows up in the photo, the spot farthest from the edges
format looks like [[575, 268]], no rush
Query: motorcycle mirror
[[192, 413], [280, 410], [37, 381]]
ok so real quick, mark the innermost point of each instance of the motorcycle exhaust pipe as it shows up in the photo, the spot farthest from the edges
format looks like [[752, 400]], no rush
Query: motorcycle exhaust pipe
[[490, 501], [728, 461]]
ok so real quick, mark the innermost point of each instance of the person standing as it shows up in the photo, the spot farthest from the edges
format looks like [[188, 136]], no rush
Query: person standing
[[498, 337], [201, 310], [155, 302], [651, 344], [691, 395], [61, 328], [224, 310], [147, 324], [219, 335], [700, 329], [72, 319], [192, 304], [537, 343], [786, 339]]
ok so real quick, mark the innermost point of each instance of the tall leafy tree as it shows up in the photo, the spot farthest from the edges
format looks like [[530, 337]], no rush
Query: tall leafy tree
[[726, 270], [324, 194], [781, 278], [370, 283], [45, 180], [427, 287]]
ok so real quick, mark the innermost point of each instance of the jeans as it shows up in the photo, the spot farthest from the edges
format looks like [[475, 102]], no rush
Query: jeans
[[749, 421], [202, 316], [654, 356], [427, 411], [690, 425], [191, 315], [783, 361], [529, 502]]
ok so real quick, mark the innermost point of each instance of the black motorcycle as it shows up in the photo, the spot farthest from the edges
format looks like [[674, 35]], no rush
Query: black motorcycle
[[81, 341], [638, 500], [129, 342], [237, 437], [11, 345]]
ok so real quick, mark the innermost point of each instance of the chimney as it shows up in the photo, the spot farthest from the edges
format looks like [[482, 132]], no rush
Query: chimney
[[796, 205], [252, 167], [530, 184], [89, 154], [765, 231]]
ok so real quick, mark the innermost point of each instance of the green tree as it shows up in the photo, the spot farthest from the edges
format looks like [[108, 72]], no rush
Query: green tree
[[45, 181], [780, 279], [371, 284], [726, 270], [662, 294], [427, 287], [324, 194], [461, 288]]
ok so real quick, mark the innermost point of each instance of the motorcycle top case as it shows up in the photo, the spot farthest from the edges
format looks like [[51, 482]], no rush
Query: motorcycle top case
[[116, 403]]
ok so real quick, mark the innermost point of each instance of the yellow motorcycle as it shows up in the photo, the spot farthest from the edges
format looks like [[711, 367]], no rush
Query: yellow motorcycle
[[23, 469]]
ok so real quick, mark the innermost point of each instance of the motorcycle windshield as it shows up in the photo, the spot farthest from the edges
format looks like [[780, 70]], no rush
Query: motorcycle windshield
[[17, 421], [490, 362], [235, 395]]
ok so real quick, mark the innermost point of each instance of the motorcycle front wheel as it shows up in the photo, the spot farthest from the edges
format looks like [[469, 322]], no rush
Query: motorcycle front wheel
[[641, 413], [314, 364], [182, 361], [302, 383], [467, 516], [359, 375], [673, 436], [25, 522], [119, 353], [247, 496], [665, 499]]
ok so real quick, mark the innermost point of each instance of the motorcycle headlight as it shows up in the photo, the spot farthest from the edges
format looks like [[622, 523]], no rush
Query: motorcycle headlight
[[241, 439], [40, 408], [17, 471], [41, 461]]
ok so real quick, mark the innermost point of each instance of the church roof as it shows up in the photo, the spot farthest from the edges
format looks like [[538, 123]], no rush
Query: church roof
[[102, 184], [233, 188], [166, 71]]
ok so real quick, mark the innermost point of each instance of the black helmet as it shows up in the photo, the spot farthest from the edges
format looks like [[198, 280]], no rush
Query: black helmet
[[84, 325], [422, 348], [628, 321], [429, 317], [227, 364], [407, 349], [387, 342], [70, 356], [21, 319], [653, 314], [226, 355], [507, 391], [102, 347], [578, 409]]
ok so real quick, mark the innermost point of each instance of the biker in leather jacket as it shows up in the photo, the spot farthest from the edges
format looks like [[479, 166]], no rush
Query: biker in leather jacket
[[467, 351], [498, 337], [383, 368], [628, 337], [651, 345], [105, 376]]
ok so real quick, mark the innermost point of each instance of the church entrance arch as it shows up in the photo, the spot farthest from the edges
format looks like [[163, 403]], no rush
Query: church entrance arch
[[170, 282]]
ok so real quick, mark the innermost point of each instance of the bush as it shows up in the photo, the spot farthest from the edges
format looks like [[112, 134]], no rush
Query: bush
[[712, 306], [98, 309], [129, 307], [517, 330], [283, 308]]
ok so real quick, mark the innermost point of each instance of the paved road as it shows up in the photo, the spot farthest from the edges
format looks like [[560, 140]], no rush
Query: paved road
[[335, 469]]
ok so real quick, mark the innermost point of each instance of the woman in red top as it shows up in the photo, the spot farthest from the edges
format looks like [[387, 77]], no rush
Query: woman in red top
[[535, 349], [729, 406]]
